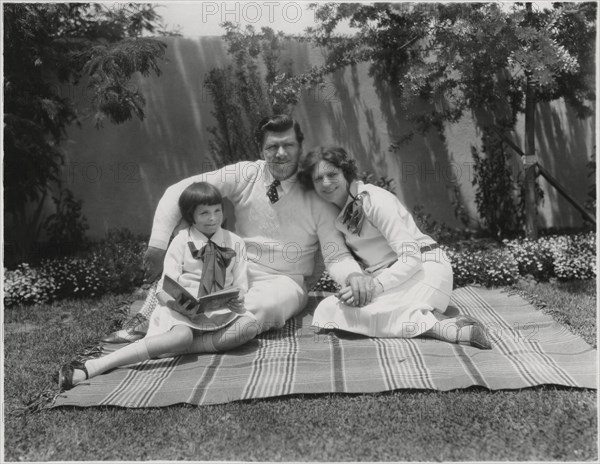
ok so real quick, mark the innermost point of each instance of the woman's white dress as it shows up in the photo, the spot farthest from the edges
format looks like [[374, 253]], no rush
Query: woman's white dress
[[389, 248], [187, 271]]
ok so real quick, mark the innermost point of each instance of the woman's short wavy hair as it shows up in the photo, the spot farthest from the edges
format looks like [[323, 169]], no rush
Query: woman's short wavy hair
[[198, 193], [334, 155]]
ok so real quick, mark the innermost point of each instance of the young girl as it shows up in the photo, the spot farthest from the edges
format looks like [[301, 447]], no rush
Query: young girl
[[411, 275], [203, 258]]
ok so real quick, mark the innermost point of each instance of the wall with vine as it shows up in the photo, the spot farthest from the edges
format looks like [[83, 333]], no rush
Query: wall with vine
[[121, 171]]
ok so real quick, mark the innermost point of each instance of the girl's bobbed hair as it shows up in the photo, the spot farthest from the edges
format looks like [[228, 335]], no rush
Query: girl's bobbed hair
[[198, 193], [334, 155]]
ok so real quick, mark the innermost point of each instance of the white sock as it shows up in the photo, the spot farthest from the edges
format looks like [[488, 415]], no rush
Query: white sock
[[129, 354]]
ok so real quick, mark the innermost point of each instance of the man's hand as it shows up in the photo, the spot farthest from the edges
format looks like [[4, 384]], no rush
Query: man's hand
[[153, 263], [359, 291]]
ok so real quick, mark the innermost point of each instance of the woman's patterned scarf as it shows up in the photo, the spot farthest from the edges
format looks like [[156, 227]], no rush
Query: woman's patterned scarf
[[354, 213]]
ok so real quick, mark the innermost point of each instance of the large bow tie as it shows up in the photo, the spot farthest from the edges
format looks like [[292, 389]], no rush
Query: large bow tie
[[216, 259], [354, 214]]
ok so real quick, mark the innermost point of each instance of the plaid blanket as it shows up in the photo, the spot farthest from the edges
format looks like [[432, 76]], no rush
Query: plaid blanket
[[529, 349]]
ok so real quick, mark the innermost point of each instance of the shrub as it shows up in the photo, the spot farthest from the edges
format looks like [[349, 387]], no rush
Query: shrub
[[489, 263], [495, 187], [489, 267], [574, 256], [566, 257], [115, 265], [76, 277], [120, 255], [112, 265], [66, 227], [25, 285], [563, 257], [441, 233], [533, 258]]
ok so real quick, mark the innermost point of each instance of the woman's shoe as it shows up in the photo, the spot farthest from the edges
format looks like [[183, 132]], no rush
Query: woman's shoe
[[463, 320], [478, 337], [65, 374]]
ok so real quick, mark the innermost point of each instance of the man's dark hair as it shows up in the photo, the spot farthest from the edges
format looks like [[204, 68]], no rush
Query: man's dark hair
[[277, 123], [198, 193]]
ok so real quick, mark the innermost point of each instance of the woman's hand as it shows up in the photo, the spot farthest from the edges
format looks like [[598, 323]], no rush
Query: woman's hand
[[359, 291]]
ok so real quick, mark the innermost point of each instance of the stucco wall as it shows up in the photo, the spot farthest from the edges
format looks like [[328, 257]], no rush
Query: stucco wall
[[120, 172]]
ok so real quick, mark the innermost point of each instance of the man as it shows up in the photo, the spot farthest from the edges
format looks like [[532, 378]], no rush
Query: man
[[282, 226]]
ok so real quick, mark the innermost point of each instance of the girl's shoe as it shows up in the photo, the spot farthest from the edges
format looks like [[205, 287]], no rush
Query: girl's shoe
[[65, 374], [478, 338]]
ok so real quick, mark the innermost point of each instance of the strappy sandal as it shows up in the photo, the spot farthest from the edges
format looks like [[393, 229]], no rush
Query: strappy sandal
[[478, 338], [65, 374]]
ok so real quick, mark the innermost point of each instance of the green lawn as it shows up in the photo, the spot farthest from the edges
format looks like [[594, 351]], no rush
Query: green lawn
[[541, 424]]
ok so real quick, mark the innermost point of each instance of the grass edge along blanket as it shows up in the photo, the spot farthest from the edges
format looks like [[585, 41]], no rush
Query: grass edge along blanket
[[529, 349]]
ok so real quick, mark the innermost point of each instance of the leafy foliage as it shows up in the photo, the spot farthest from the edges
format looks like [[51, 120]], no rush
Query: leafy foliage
[[562, 257], [440, 232], [496, 193], [491, 267], [467, 55], [49, 49], [66, 227], [26, 285], [590, 203], [242, 96], [495, 60], [111, 265], [490, 263], [384, 182]]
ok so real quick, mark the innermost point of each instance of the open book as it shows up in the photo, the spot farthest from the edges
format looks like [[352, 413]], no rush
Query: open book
[[194, 306]]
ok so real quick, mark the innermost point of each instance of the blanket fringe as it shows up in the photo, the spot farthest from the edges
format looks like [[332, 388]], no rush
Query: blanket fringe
[[41, 401], [46, 398]]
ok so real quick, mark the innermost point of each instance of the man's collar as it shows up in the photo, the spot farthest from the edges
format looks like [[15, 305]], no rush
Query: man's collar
[[286, 185]]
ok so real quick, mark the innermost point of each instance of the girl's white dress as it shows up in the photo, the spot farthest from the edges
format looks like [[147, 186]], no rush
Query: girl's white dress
[[185, 269], [389, 248]]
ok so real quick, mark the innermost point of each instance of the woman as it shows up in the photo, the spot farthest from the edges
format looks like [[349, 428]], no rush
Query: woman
[[412, 276]]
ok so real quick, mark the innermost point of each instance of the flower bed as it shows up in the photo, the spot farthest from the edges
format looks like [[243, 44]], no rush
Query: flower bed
[[114, 265], [489, 263]]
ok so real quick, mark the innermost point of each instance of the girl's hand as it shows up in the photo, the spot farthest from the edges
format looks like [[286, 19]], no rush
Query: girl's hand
[[236, 305], [178, 307], [163, 298], [345, 296]]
